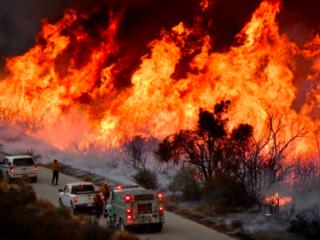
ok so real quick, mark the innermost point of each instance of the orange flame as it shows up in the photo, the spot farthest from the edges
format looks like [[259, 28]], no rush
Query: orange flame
[[63, 92], [204, 4], [277, 200]]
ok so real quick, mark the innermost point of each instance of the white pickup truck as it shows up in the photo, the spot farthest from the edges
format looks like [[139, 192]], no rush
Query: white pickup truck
[[79, 195]]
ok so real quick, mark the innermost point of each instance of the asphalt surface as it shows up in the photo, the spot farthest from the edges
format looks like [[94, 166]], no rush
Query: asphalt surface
[[175, 227]]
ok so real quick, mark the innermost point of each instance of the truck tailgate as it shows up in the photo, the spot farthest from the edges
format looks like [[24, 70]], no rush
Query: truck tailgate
[[85, 199]]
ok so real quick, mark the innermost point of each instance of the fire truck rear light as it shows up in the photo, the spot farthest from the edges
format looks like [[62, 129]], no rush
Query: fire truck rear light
[[11, 170], [129, 215], [161, 209], [127, 198], [102, 197], [75, 199], [119, 188], [160, 196], [35, 168]]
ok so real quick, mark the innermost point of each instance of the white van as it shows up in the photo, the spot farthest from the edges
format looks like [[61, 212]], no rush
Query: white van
[[19, 166]]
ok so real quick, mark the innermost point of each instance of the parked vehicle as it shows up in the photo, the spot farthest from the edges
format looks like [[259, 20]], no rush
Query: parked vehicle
[[79, 195], [133, 206], [19, 166]]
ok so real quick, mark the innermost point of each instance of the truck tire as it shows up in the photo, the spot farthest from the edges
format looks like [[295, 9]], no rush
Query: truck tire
[[113, 222], [34, 179], [60, 203], [74, 209], [121, 225], [8, 178], [158, 227]]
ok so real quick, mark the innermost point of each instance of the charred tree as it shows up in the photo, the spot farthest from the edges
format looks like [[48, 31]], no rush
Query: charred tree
[[136, 150], [236, 154]]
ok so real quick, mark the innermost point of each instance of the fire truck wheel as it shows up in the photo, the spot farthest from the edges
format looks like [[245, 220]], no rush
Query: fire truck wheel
[[60, 203], [74, 209], [121, 225], [111, 223], [158, 227]]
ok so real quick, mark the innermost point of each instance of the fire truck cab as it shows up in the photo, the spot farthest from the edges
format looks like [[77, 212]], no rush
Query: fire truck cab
[[133, 206]]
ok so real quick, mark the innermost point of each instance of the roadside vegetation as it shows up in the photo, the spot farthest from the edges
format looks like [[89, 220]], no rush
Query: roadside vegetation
[[23, 216], [146, 178], [185, 182], [307, 224]]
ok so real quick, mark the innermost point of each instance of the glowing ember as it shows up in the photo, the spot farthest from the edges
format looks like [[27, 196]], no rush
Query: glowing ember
[[204, 4], [64, 91], [276, 200]]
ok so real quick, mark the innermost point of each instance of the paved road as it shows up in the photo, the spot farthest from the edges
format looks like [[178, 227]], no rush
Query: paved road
[[175, 228]]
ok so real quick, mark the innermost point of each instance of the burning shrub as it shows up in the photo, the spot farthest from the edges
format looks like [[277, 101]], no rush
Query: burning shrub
[[186, 182], [146, 178]]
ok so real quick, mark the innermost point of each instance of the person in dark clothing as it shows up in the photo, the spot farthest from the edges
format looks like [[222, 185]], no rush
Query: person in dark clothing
[[55, 172], [98, 204], [105, 190]]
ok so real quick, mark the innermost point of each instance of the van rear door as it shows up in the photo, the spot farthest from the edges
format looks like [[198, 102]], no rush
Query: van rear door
[[23, 166]]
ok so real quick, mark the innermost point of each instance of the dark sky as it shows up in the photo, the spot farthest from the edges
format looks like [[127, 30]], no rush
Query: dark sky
[[142, 21], [20, 22]]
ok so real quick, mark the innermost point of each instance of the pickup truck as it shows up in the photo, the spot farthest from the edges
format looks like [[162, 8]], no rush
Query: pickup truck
[[134, 206], [78, 195], [19, 166]]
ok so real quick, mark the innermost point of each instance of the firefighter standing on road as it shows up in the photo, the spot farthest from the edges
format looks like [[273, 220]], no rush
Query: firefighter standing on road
[[55, 171]]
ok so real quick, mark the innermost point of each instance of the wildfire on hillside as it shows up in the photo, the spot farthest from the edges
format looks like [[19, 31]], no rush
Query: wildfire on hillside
[[63, 90]]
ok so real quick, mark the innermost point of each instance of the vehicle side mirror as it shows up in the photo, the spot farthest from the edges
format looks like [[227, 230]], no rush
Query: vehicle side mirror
[[60, 190]]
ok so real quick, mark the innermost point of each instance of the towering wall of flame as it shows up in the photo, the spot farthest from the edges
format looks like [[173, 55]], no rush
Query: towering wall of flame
[[63, 90]]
